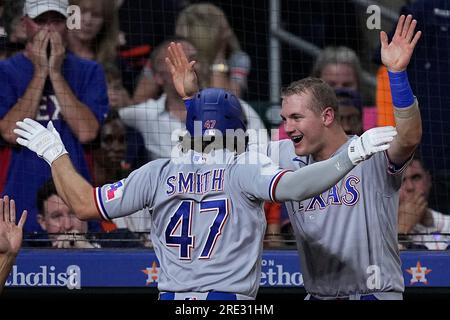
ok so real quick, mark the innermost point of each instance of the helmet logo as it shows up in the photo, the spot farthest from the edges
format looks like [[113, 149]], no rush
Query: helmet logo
[[209, 124]]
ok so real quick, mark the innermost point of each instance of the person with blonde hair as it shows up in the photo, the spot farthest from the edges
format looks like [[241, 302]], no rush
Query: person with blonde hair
[[98, 37], [222, 62]]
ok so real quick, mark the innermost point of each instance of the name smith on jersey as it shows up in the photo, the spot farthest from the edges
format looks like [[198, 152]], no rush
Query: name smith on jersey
[[195, 183]]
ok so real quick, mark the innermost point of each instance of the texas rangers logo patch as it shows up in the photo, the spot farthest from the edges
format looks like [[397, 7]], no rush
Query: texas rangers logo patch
[[115, 191]]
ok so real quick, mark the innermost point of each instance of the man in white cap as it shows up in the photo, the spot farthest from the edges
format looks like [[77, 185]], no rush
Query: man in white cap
[[47, 83]]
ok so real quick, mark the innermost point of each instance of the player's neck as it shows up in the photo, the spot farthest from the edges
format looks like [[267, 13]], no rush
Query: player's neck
[[333, 141]]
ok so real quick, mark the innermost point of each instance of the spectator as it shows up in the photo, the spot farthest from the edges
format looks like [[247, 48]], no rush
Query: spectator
[[159, 121], [350, 111], [222, 63], [12, 34], [98, 37], [144, 24], [65, 231], [10, 237], [114, 155], [63, 88], [341, 69], [110, 164], [136, 155], [117, 94], [109, 152], [414, 214]]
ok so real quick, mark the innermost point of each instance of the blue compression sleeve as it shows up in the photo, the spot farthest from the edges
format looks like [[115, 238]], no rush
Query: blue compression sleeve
[[187, 103], [402, 95]]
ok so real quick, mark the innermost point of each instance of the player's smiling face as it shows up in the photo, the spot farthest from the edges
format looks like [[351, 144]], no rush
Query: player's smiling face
[[303, 126]]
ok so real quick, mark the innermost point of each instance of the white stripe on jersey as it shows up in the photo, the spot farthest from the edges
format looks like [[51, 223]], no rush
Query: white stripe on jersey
[[99, 203], [273, 184]]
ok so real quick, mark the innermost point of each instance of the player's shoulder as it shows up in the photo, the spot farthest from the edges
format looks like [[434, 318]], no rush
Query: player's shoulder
[[252, 156], [253, 162], [155, 166]]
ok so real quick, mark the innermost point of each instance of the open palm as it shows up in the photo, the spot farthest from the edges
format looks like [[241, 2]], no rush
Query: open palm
[[397, 54], [183, 73], [10, 233]]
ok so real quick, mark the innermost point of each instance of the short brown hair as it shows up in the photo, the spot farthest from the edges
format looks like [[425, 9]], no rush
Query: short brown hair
[[322, 95]]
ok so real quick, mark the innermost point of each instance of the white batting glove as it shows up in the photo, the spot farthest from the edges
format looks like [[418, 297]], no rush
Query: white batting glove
[[46, 142], [372, 141]]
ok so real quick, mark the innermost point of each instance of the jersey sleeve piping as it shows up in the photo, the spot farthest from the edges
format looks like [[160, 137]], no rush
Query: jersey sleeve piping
[[273, 184], [99, 204]]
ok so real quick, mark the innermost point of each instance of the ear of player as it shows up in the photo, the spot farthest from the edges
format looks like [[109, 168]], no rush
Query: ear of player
[[46, 142], [372, 141]]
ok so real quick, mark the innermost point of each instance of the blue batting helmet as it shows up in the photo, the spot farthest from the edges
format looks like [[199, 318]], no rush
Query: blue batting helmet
[[214, 109]]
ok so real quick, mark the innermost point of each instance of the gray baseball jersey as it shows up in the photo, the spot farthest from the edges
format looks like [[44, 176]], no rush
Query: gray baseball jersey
[[208, 221], [347, 236]]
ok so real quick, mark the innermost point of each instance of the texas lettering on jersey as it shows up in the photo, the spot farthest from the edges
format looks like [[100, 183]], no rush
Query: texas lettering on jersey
[[347, 195], [195, 183]]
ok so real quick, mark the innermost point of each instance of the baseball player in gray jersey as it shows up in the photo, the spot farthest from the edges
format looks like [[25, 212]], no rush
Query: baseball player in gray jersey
[[347, 236], [207, 218]]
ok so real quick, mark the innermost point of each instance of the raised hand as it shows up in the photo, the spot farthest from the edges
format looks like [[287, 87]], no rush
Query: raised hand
[[57, 54], [46, 142], [412, 208], [397, 54], [38, 53], [10, 233], [183, 73], [370, 142]]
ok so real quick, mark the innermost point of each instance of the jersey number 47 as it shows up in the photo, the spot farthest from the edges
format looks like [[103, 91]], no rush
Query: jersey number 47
[[183, 216]]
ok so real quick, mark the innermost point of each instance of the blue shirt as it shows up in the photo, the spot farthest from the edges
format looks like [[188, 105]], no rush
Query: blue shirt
[[27, 172]]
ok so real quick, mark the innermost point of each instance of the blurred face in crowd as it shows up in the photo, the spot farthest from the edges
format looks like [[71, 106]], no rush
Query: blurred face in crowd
[[58, 218], [112, 144], [92, 20], [340, 76], [117, 95], [162, 74], [50, 20], [416, 180], [304, 126], [350, 118], [18, 31]]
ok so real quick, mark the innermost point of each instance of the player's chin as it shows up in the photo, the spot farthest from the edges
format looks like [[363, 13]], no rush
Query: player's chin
[[301, 148]]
